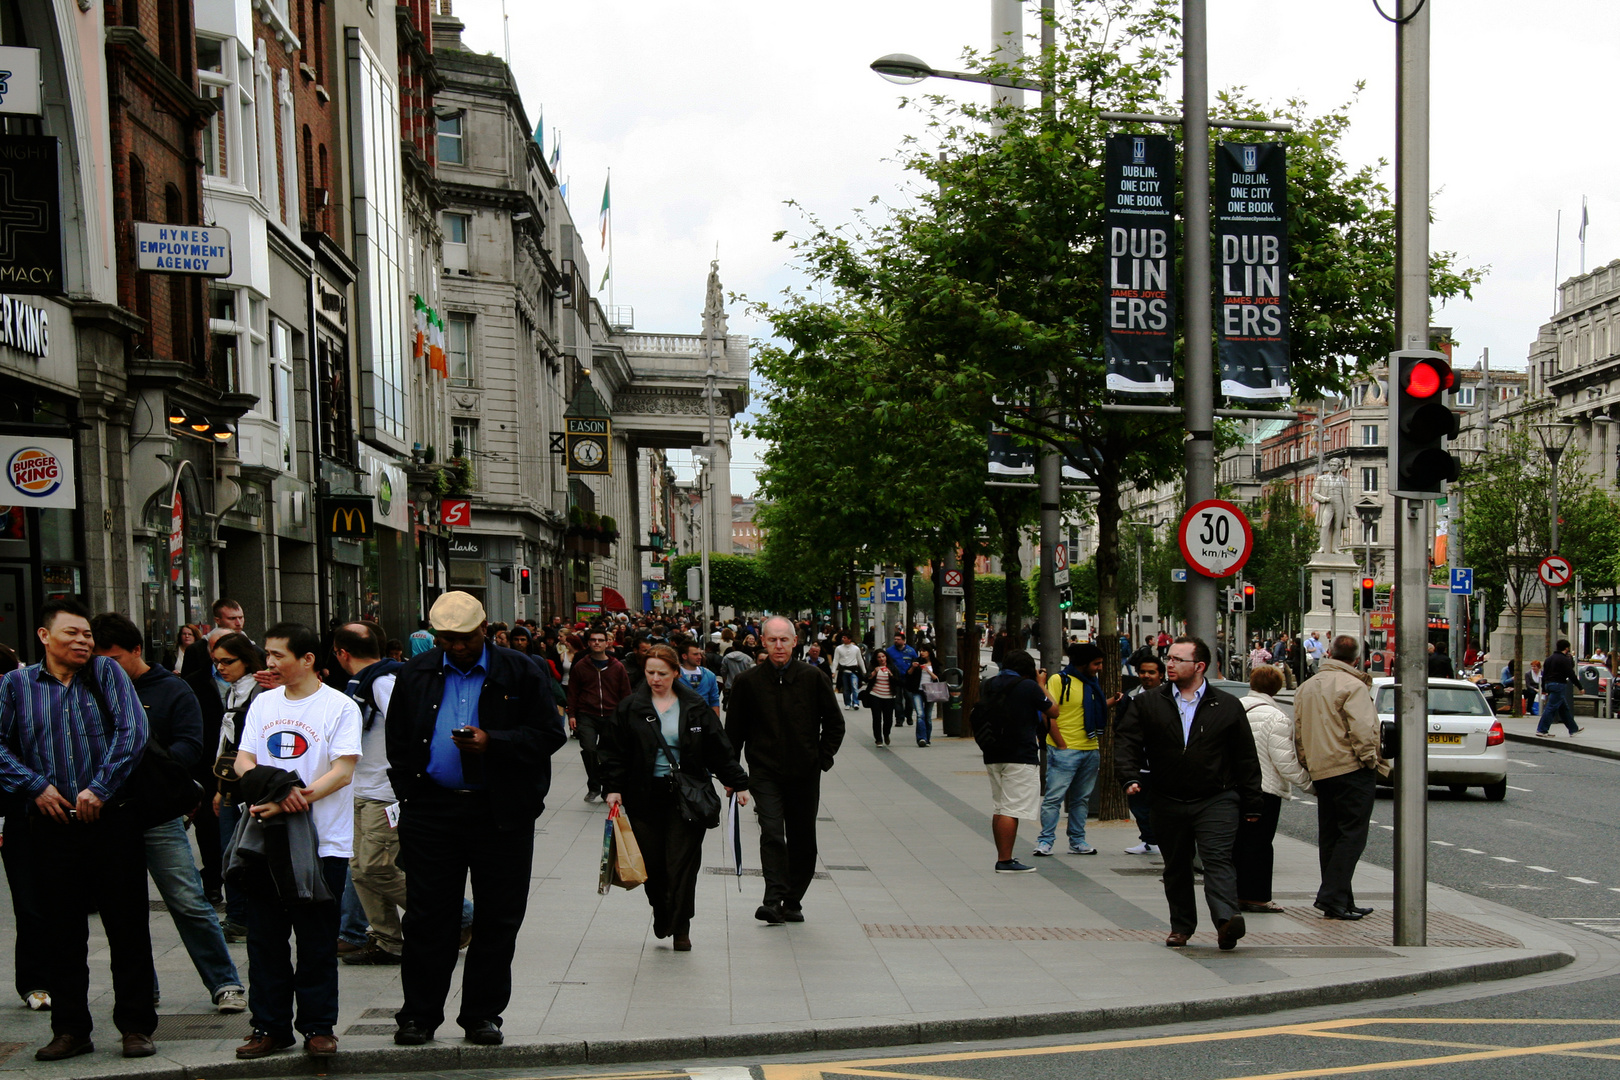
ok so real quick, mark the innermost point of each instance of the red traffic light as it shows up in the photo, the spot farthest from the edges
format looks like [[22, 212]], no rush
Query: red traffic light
[[1248, 590], [1366, 583], [1428, 378]]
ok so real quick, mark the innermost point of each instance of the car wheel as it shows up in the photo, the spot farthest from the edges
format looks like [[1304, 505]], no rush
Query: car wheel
[[1458, 789], [1496, 792]]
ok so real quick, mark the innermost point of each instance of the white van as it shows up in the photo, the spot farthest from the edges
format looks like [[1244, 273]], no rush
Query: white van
[[1077, 625]]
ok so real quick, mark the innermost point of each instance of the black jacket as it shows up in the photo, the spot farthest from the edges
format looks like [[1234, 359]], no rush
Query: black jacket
[[1219, 755], [516, 709], [1559, 667], [788, 723], [206, 689], [173, 715], [627, 746]]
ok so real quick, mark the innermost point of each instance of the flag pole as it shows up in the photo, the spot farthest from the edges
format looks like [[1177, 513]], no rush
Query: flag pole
[[1558, 237], [1583, 234], [611, 275]]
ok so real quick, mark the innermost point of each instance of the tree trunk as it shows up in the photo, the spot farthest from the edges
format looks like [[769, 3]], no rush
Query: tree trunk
[[1516, 707], [968, 644], [1110, 802], [1013, 567], [936, 577], [910, 618]]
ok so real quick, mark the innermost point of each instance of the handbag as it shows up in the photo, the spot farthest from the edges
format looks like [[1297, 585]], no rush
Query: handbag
[[158, 788], [629, 870], [696, 799], [936, 690]]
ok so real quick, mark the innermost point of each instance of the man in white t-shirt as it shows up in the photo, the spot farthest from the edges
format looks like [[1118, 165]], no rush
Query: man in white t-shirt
[[304, 727]]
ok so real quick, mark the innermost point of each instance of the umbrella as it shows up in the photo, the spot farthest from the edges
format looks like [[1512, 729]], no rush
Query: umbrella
[[734, 836]]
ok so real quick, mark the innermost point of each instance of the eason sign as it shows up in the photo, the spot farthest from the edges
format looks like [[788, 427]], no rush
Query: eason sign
[[39, 472], [183, 249]]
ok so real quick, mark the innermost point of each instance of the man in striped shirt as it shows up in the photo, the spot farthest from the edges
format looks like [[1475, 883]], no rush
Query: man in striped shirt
[[57, 741]]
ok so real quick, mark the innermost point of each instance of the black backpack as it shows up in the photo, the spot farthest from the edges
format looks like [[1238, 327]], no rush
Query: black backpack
[[989, 717]]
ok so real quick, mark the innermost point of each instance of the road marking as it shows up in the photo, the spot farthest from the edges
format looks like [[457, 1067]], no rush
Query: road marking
[[1503, 858], [1442, 843], [1527, 764], [722, 1072], [1472, 850], [1527, 791], [1582, 880], [1542, 869]]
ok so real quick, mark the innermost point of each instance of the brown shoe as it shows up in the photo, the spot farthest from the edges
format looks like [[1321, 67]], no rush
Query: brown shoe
[[683, 943], [63, 1047], [261, 1045], [1230, 931], [137, 1044], [1177, 940], [347, 947], [320, 1046]]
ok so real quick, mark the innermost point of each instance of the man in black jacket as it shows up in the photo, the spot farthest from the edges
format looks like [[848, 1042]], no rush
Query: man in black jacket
[[471, 729], [785, 719], [1204, 774], [1558, 679]]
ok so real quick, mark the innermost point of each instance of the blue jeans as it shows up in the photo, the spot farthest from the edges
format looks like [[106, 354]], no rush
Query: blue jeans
[[174, 872], [235, 900], [850, 682], [922, 709], [1559, 708], [1071, 775], [352, 921]]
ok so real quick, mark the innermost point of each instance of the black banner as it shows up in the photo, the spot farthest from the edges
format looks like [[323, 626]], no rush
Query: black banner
[[1251, 269], [30, 216], [1139, 228]]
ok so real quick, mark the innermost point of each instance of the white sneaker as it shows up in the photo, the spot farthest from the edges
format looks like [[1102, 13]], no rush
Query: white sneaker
[[38, 1000], [1043, 849], [1143, 849], [1083, 849], [231, 1001]]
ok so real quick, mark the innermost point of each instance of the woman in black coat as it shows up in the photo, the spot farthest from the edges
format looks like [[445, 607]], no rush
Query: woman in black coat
[[635, 772]]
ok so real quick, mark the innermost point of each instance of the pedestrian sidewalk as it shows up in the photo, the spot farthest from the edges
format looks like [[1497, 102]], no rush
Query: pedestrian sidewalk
[[909, 937], [1598, 737]]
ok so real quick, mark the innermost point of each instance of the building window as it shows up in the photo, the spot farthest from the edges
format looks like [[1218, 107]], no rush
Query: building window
[[1358, 393], [224, 340], [464, 433], [281, 392], [450, 139], [458, 349], [1369, 434], [1369, 532], [213, 81], [1465, 397], [456, 227], [1369, 479]]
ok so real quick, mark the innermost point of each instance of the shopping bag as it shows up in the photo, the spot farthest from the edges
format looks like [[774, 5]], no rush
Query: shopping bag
[[628, 868], [605, 872]]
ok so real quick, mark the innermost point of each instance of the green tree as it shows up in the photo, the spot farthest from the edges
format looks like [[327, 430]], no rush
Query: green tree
[[1284, 538]]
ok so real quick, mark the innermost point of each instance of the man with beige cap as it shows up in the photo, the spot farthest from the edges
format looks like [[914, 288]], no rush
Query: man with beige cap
[[470, 731]]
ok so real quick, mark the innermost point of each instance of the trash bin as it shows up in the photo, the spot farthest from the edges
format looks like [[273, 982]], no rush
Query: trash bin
[[954, 679]]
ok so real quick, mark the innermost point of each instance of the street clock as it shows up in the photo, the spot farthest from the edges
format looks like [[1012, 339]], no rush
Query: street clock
[[587, 442]]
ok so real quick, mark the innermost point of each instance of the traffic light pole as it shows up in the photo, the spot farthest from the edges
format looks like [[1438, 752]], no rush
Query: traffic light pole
[[1411, 540]]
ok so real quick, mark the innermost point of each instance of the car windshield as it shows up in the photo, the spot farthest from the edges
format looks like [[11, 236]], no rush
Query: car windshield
[[1443, 701]]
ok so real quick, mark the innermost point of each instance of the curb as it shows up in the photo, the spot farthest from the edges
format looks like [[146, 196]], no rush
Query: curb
[[1566, 744], [834, 1035]]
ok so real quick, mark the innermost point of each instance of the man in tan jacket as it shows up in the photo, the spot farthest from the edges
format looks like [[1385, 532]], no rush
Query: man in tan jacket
[[1337, 730]]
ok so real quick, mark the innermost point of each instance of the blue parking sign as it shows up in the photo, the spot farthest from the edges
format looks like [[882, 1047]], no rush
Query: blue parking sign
[[894, 590], [1462, 580]]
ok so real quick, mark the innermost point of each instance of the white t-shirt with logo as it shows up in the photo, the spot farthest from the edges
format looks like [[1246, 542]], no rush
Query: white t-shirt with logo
[[305, 736]]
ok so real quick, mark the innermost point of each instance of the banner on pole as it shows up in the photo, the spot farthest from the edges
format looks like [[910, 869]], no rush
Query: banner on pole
[[1140, 228], [1251, 272]]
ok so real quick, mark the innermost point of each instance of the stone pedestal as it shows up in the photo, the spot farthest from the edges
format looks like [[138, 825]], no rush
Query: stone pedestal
[[1535, 638], [1344, 570]]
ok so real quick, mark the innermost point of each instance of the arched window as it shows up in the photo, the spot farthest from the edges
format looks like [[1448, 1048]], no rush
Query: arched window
[[137, 189], [168, 33], [311, 214], [174, 206], [325, 215]]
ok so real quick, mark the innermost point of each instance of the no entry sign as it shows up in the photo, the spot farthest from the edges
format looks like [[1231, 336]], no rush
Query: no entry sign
[[1216, 539]]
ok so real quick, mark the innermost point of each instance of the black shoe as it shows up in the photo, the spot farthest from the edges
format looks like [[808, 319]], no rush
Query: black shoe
[[214, 896], [792, 914], [412, 1033], [770, 913], [485, 1033], [1341, 915], [373, 955], [1361, 910]]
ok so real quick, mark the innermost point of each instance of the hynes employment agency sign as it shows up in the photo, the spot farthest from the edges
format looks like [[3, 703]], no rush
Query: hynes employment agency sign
[[183, 249], [38, 472]]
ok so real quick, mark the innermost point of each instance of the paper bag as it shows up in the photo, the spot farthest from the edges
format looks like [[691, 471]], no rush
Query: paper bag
[[628, 868]]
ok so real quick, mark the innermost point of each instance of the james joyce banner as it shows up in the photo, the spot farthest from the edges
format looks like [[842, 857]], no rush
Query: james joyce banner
[[1251, 272], [1140, 228]]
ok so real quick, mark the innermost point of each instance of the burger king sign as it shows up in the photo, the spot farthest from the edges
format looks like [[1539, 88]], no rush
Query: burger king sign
[[39, 472]]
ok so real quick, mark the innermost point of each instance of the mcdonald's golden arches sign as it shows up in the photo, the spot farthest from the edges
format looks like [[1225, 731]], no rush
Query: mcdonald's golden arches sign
[[350, 519]]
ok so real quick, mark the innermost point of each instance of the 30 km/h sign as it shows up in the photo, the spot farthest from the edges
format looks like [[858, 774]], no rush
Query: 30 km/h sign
[[1216, 539], [1555, 570]]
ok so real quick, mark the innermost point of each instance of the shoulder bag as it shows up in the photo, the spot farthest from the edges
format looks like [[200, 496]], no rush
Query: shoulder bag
[[158, 788], [696, 798]]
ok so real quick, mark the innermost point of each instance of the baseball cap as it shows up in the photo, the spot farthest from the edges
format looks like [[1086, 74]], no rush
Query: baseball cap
[[456, 613]]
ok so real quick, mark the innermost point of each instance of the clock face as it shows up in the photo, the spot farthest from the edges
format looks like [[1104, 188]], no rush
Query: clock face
[[588, 452]]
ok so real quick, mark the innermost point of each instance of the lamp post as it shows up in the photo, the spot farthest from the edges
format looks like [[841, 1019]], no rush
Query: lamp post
[[1553, 445], [1136, 608]]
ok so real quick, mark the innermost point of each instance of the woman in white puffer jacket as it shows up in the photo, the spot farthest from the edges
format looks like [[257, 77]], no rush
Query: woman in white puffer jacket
[[1280, 770]]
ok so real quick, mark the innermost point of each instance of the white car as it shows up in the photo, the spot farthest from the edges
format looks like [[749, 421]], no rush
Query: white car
[[1467, 746]]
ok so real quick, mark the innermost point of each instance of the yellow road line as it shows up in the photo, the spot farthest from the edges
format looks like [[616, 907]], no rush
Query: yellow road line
[[1413, 1063], [1398, 1040]]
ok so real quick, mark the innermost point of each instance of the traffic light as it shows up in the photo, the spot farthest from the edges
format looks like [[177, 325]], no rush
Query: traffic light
[[1419, 424], [1369, 595], [525, 586], [1066, 599], [504, 573], [1234, 599], [1327, 594], [1248, 597]]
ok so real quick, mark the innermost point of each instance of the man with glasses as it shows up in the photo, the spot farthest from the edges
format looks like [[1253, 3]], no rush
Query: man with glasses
[[1205, 774]]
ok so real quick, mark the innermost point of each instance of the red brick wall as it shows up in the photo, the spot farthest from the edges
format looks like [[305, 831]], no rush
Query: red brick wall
[[312, 108]]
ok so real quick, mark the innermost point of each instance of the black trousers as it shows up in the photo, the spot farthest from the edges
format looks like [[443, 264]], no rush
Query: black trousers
[[1253, 853], [1143, 813], [585, 727], [32, 941], [444, 838], [77, 868], [673, 852], [209, 845], [787, 834], [276, 987], [882, 717], [1209, 829], [1344, 806]]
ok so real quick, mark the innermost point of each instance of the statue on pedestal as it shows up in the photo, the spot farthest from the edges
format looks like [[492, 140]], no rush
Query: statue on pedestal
[[1332, 495]]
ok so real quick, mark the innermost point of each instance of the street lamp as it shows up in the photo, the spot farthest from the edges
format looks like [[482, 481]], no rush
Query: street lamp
[[1553, 446], [1136, 608], [903, 69]]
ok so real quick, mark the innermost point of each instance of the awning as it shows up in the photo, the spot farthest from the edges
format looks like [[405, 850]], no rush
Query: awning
[[612, 601]]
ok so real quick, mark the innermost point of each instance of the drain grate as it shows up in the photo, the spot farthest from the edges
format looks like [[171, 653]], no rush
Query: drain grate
[[753, 871], [181, 1027], [381, 1014], [1157, 870], [830, 866], [370, 1029]]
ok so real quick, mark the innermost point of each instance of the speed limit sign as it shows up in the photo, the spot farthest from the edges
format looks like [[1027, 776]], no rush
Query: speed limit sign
[[1216, 539]]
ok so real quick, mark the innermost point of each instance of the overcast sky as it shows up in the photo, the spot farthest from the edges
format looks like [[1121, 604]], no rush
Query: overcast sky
[[712, 113]]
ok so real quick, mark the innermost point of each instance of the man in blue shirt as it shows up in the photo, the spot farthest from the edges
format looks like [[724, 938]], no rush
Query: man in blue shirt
[[900, 657], [71, 732], [699, 678]]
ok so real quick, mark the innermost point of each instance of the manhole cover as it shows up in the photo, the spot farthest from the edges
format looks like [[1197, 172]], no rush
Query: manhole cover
[[180, 1027], [751, 871]]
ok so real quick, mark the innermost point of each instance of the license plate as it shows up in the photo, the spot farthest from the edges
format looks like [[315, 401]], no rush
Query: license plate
[[1445, 740]]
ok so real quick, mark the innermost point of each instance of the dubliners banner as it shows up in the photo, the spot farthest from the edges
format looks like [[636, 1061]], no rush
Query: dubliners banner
[[1251, 242], [1139, 221]]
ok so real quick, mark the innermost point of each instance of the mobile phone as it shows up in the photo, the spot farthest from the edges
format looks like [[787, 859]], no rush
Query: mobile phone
[[462, 732]]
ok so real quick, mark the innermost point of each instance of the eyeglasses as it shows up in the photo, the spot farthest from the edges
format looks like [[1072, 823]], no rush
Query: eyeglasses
[[1179, 660], [227, 662]]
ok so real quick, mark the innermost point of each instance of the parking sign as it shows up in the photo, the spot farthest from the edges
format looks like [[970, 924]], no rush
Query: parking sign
[[894, 590], [1462, 580]]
